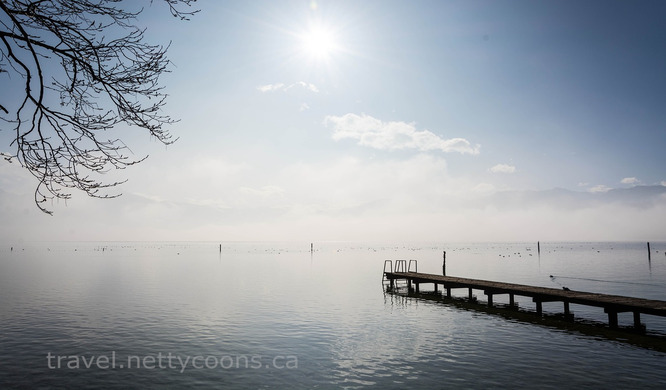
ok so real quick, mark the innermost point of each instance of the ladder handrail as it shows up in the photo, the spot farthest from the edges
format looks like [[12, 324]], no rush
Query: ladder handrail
[[416, 267], [401, 265]]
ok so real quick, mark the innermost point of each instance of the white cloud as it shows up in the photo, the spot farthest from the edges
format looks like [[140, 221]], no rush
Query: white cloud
[[600, 188], [303, 107], [283, 87], [307, 86], [630, 180], [14, 178], [270, 87], [503, 168], [263, 193], [377, 134], [484, 188], [663, 183], [201, 180]]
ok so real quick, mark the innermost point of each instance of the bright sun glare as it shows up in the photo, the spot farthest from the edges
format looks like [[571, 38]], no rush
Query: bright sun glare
[[319, 42]]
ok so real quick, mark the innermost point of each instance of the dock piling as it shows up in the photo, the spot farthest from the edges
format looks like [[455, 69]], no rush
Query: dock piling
[[637, 320], [444, 263], [649, 254], [539, 307], [612, 318]]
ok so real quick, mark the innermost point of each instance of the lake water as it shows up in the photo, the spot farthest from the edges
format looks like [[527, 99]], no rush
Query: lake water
[[275, 315]]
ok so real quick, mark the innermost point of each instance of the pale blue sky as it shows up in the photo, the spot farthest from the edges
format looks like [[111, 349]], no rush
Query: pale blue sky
[[404, 126]]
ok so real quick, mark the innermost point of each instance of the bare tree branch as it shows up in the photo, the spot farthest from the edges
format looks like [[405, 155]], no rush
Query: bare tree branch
[[85, 68]]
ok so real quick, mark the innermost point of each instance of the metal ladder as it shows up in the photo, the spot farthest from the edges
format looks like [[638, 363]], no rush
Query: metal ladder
[[400, 266]]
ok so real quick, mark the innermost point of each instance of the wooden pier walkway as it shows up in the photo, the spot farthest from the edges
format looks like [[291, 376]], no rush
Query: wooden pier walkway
[[612, 304]]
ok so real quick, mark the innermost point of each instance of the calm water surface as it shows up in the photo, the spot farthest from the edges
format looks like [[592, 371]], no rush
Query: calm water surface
[[273, 315]]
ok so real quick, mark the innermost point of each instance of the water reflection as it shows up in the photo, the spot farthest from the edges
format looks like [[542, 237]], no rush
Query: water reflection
[[654, 340]]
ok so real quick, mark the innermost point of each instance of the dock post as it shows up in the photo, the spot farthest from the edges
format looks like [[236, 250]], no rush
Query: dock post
[[444, 264], [490, 299], [612, 318], [567, 311], [448, 292], [471, 297], [417, 287], [435, 287], [512, 300], [539, 307], [649, 255], [637, 320]]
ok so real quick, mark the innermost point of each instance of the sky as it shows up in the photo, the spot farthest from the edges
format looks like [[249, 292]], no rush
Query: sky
[[386, 120]]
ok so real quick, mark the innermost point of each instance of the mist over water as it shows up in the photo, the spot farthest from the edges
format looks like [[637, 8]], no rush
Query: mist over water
[[275, 315]]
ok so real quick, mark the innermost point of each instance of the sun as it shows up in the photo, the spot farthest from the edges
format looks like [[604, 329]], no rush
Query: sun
[[319, 42]]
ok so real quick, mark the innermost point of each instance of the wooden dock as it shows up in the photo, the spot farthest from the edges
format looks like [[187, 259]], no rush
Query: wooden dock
[[612, 304]]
